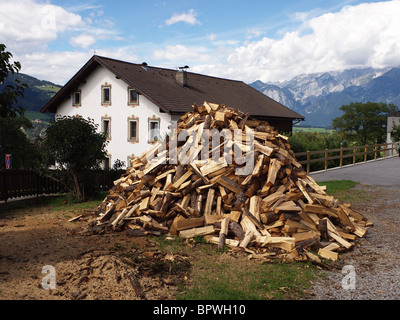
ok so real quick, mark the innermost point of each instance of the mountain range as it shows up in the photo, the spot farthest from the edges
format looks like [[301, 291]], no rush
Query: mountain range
[[318, 96]]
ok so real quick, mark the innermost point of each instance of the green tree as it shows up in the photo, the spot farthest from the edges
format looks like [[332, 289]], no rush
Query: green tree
[[25, 153], [12, 138], [395, 133], [75, 148], [9, 94], [363, 123]]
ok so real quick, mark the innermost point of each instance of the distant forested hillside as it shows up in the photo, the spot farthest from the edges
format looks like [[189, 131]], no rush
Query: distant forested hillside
[[36, 96]]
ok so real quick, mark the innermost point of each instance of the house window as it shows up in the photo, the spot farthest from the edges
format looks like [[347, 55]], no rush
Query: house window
[[133, 129], [106, 127], [106, 162], [130, 158], [133, 97], [106, 95], [76, 98], [154, 130]]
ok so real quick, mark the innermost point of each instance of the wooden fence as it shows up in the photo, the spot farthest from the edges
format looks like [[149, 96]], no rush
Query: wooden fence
[[23, 183], [345, 156]]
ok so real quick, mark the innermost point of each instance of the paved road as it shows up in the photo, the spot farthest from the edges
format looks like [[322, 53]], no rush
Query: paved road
[[385, 172]]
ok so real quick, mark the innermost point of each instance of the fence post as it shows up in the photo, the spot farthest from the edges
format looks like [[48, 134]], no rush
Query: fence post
[[365, 153], [384, 150], [308, 162], [5, 185], [341, 156], [37, 183], [326, 159], [391, 150], [354, 155], [375, 151]]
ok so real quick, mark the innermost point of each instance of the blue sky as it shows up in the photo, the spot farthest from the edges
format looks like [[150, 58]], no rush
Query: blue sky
[[245, 40]]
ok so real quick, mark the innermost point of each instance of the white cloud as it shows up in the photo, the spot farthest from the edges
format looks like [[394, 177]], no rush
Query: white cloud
[[253, 33], [27, 24], [57, 67], [179, 55], [84, 41], [212, 37], [189, 18], [356, 36], [60, 66]]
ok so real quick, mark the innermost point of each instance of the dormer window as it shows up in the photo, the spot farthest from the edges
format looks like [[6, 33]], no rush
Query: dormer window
[[76, 99], [106, 95], [133, 97]]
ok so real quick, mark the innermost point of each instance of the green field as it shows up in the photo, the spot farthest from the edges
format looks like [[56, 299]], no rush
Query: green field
[[32, 115], [48, 87], [312, 129]]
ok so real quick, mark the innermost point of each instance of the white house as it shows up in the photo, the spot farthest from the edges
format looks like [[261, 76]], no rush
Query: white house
[[135, 104]]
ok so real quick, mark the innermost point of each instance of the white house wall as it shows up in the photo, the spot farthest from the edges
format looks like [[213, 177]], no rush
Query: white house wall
[[119, 112]]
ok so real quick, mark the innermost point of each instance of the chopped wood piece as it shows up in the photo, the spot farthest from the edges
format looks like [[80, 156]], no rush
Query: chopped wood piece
[[247, 238], [209, 202], [327, 254], [312, 257], [333, 233], [320, 209], [229, 242], [220, 116], [304, 191], [75, 218], [184, 224], [223, 233], [237, 230], [181, 180], [212, 218], [229, 184], [274, 167], [287, 206], [331, 247], [301, 236], [191, 233]]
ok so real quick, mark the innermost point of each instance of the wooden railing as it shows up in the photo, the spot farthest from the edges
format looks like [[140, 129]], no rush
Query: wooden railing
[[343, 156], [23, 183]]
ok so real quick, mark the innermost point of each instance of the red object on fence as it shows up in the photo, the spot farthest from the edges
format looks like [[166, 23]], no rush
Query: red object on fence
[[8, 161]]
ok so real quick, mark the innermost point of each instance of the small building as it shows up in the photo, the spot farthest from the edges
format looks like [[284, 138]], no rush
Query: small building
[[392, 121], [135, 104]]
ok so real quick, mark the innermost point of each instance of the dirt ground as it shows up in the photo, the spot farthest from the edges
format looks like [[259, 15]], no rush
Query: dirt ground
[[84, 264], [376, 258], [135, 268]]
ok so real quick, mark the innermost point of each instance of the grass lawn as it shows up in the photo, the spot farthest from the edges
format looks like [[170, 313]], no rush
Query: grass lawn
[[335, 187], [345, 191], [217, 275]]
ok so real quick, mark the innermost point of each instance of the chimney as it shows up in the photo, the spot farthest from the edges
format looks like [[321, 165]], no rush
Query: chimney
[[181, 76]]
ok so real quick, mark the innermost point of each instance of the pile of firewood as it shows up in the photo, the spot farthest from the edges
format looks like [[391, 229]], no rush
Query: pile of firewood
[[276, 205]]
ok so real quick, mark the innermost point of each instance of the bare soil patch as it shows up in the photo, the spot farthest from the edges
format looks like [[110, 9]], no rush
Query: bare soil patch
[[109, 266]]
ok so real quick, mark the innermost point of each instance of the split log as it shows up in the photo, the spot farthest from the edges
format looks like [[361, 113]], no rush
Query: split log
[[223, 233]]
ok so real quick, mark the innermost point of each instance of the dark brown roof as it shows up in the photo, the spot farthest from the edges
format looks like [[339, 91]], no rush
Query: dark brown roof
[[159, 85]]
